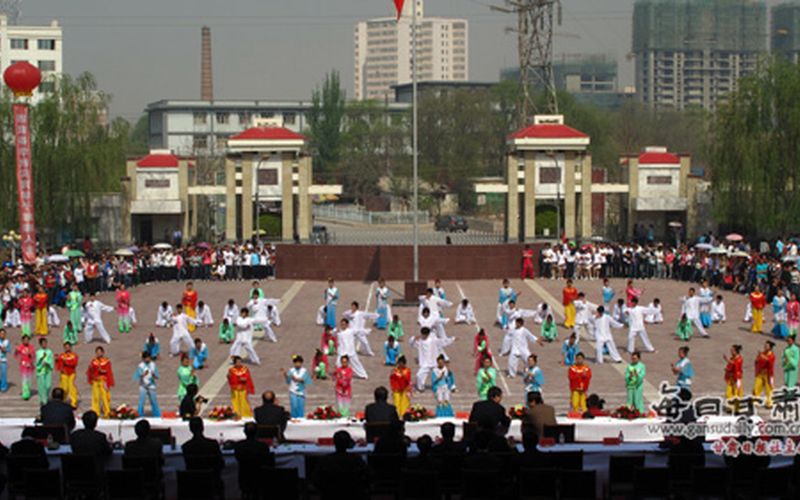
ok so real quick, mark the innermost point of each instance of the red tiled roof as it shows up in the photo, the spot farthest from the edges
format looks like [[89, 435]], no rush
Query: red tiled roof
[[657, 158], [268, 134], [549, 131], [162, 161]]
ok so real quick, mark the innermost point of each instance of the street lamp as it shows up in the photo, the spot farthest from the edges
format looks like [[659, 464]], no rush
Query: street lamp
[[552, 155], [12, 238]]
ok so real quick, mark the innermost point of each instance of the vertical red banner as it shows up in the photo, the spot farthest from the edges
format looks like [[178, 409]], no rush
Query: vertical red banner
[[27, 225]]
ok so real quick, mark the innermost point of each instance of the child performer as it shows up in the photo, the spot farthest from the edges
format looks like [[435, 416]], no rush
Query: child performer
[[26, 355], [465, 313], [400, 382], [441, 388], [67, 364], [634, 382], [329, 341], [124, 309], [779, 314], [480, 348], [70, 333], [186, 376], [656, 317], [226, 332], [549, 329], [320, 365], [383, 308], [718, 311], [241, 385], [164, 315], [534, 378], [487, 376], [396, 328], [733, 376], [580, 376], [45, 363], [793, 314], [344, 387], [765, 373], [684, 329], [391, 350], [298, 379], [101, 378]]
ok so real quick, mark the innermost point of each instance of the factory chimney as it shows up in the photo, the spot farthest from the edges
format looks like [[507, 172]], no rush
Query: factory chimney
[[206, 77]]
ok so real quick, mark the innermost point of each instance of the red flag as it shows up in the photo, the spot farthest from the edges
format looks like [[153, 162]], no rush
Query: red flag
[[399, 5]]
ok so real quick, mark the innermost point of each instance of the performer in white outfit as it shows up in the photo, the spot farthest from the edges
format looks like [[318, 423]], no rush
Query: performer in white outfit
[[94, 319], [231, 312], [164, 315], [465, 313], [244, 326], [428, 348], [274, 315], [259, 311], [435, 324], [511, 312], [433, 302], [603, 323], [52, 316], [180, 331], [583, 316], [542, 312], [204, 317], [346, 345], [519, 337], [718, 310], [657, 317], [358, 323], [636, 327], [12, 318], [691, 308]]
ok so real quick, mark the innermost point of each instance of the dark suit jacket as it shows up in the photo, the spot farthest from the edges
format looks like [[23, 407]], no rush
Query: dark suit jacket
[[253, 450], [89, 442], [380, 411], [201, 446], [31, 448], [58, 413], [449, 448], [271, 414], [491, 411], [147, 447], [539, 416]]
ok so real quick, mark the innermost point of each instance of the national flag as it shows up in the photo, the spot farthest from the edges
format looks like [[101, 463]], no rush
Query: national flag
[[399, 5]]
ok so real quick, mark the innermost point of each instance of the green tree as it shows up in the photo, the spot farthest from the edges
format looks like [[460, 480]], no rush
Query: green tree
[[756, 151], [325, 124], [74, 155], [140, 137]]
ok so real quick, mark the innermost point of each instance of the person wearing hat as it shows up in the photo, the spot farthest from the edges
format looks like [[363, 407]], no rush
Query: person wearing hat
[[297, 377]]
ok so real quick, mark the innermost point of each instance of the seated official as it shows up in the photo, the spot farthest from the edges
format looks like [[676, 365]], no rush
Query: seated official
[[201, 446], [492, 411], [88, 441], [448, 445], [57, 411], [271, 413], [341, 471], [380, 411], [538, 414], [144, 445]]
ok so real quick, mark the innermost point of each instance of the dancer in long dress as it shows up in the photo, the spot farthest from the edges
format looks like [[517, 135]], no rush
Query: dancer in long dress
[[331, 297], [442, 389], [383, 308]]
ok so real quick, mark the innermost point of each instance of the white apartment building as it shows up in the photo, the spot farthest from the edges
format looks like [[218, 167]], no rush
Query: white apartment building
[[41, 46], [383, 52]]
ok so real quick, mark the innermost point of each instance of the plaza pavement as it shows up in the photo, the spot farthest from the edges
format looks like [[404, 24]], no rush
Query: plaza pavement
[[299, 334]]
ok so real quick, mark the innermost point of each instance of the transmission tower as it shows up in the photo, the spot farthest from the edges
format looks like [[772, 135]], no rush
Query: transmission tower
[[535, 25], [11, 8]]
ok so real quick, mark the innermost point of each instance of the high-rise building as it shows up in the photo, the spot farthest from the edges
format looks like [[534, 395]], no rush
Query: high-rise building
[[383, 51], [785, 33], [42, 46], [692, 52]]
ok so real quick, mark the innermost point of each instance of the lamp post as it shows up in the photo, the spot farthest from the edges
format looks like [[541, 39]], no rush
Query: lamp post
[[12, 238], [22, 78]]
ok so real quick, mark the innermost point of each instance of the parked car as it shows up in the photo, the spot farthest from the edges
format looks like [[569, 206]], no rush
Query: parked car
[[451, 223]]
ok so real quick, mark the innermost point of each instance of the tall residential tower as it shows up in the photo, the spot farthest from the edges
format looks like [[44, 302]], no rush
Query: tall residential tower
[[692, 52], [382, 54]]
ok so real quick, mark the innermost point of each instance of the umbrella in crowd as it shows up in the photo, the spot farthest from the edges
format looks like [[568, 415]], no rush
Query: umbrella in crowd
[[133, 249], [74, 253], [675, 224], [718, 251], [123, 252], [791, 258], [704, 246], [162, 246], [740, 254], [56, 258], [734, 237], [204, 245]]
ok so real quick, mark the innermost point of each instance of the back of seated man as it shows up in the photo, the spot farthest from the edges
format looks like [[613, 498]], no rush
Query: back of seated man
[[381, 411], [496, 443], [57, 412], [144, 445], [341, 466], [448, 445], [201, 446], [480, 457], [491, 409], [191, 404], [88, 441], [28, 446], [392, 441], [425, 461], [270, 413], [251, 449]]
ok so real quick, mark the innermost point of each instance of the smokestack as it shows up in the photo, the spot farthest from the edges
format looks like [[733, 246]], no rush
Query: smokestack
[[206, 77]]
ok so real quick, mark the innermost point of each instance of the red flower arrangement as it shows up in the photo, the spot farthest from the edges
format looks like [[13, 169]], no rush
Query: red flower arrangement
[[417, 413], [324, 413], [516, 412], [627, 413], [222, 413], [123, 412]]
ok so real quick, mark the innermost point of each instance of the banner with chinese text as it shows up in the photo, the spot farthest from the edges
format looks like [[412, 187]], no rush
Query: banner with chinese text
[[27, 226]]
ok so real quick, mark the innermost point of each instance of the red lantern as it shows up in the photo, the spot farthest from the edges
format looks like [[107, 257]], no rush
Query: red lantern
[[22, 78]]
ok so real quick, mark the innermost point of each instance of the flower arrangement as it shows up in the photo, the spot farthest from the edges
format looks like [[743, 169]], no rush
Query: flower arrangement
[[627, 413], [516, 412], [222, 413], [123, 412], [324, 413], [417, 413]]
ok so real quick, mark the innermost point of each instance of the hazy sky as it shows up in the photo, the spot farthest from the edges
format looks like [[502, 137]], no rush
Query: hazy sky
[[146, 50]]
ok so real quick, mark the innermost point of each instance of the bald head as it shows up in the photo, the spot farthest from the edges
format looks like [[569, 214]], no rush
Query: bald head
[[268, 397]]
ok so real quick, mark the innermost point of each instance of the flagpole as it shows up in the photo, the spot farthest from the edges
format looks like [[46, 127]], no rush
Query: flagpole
[[415, 151]]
